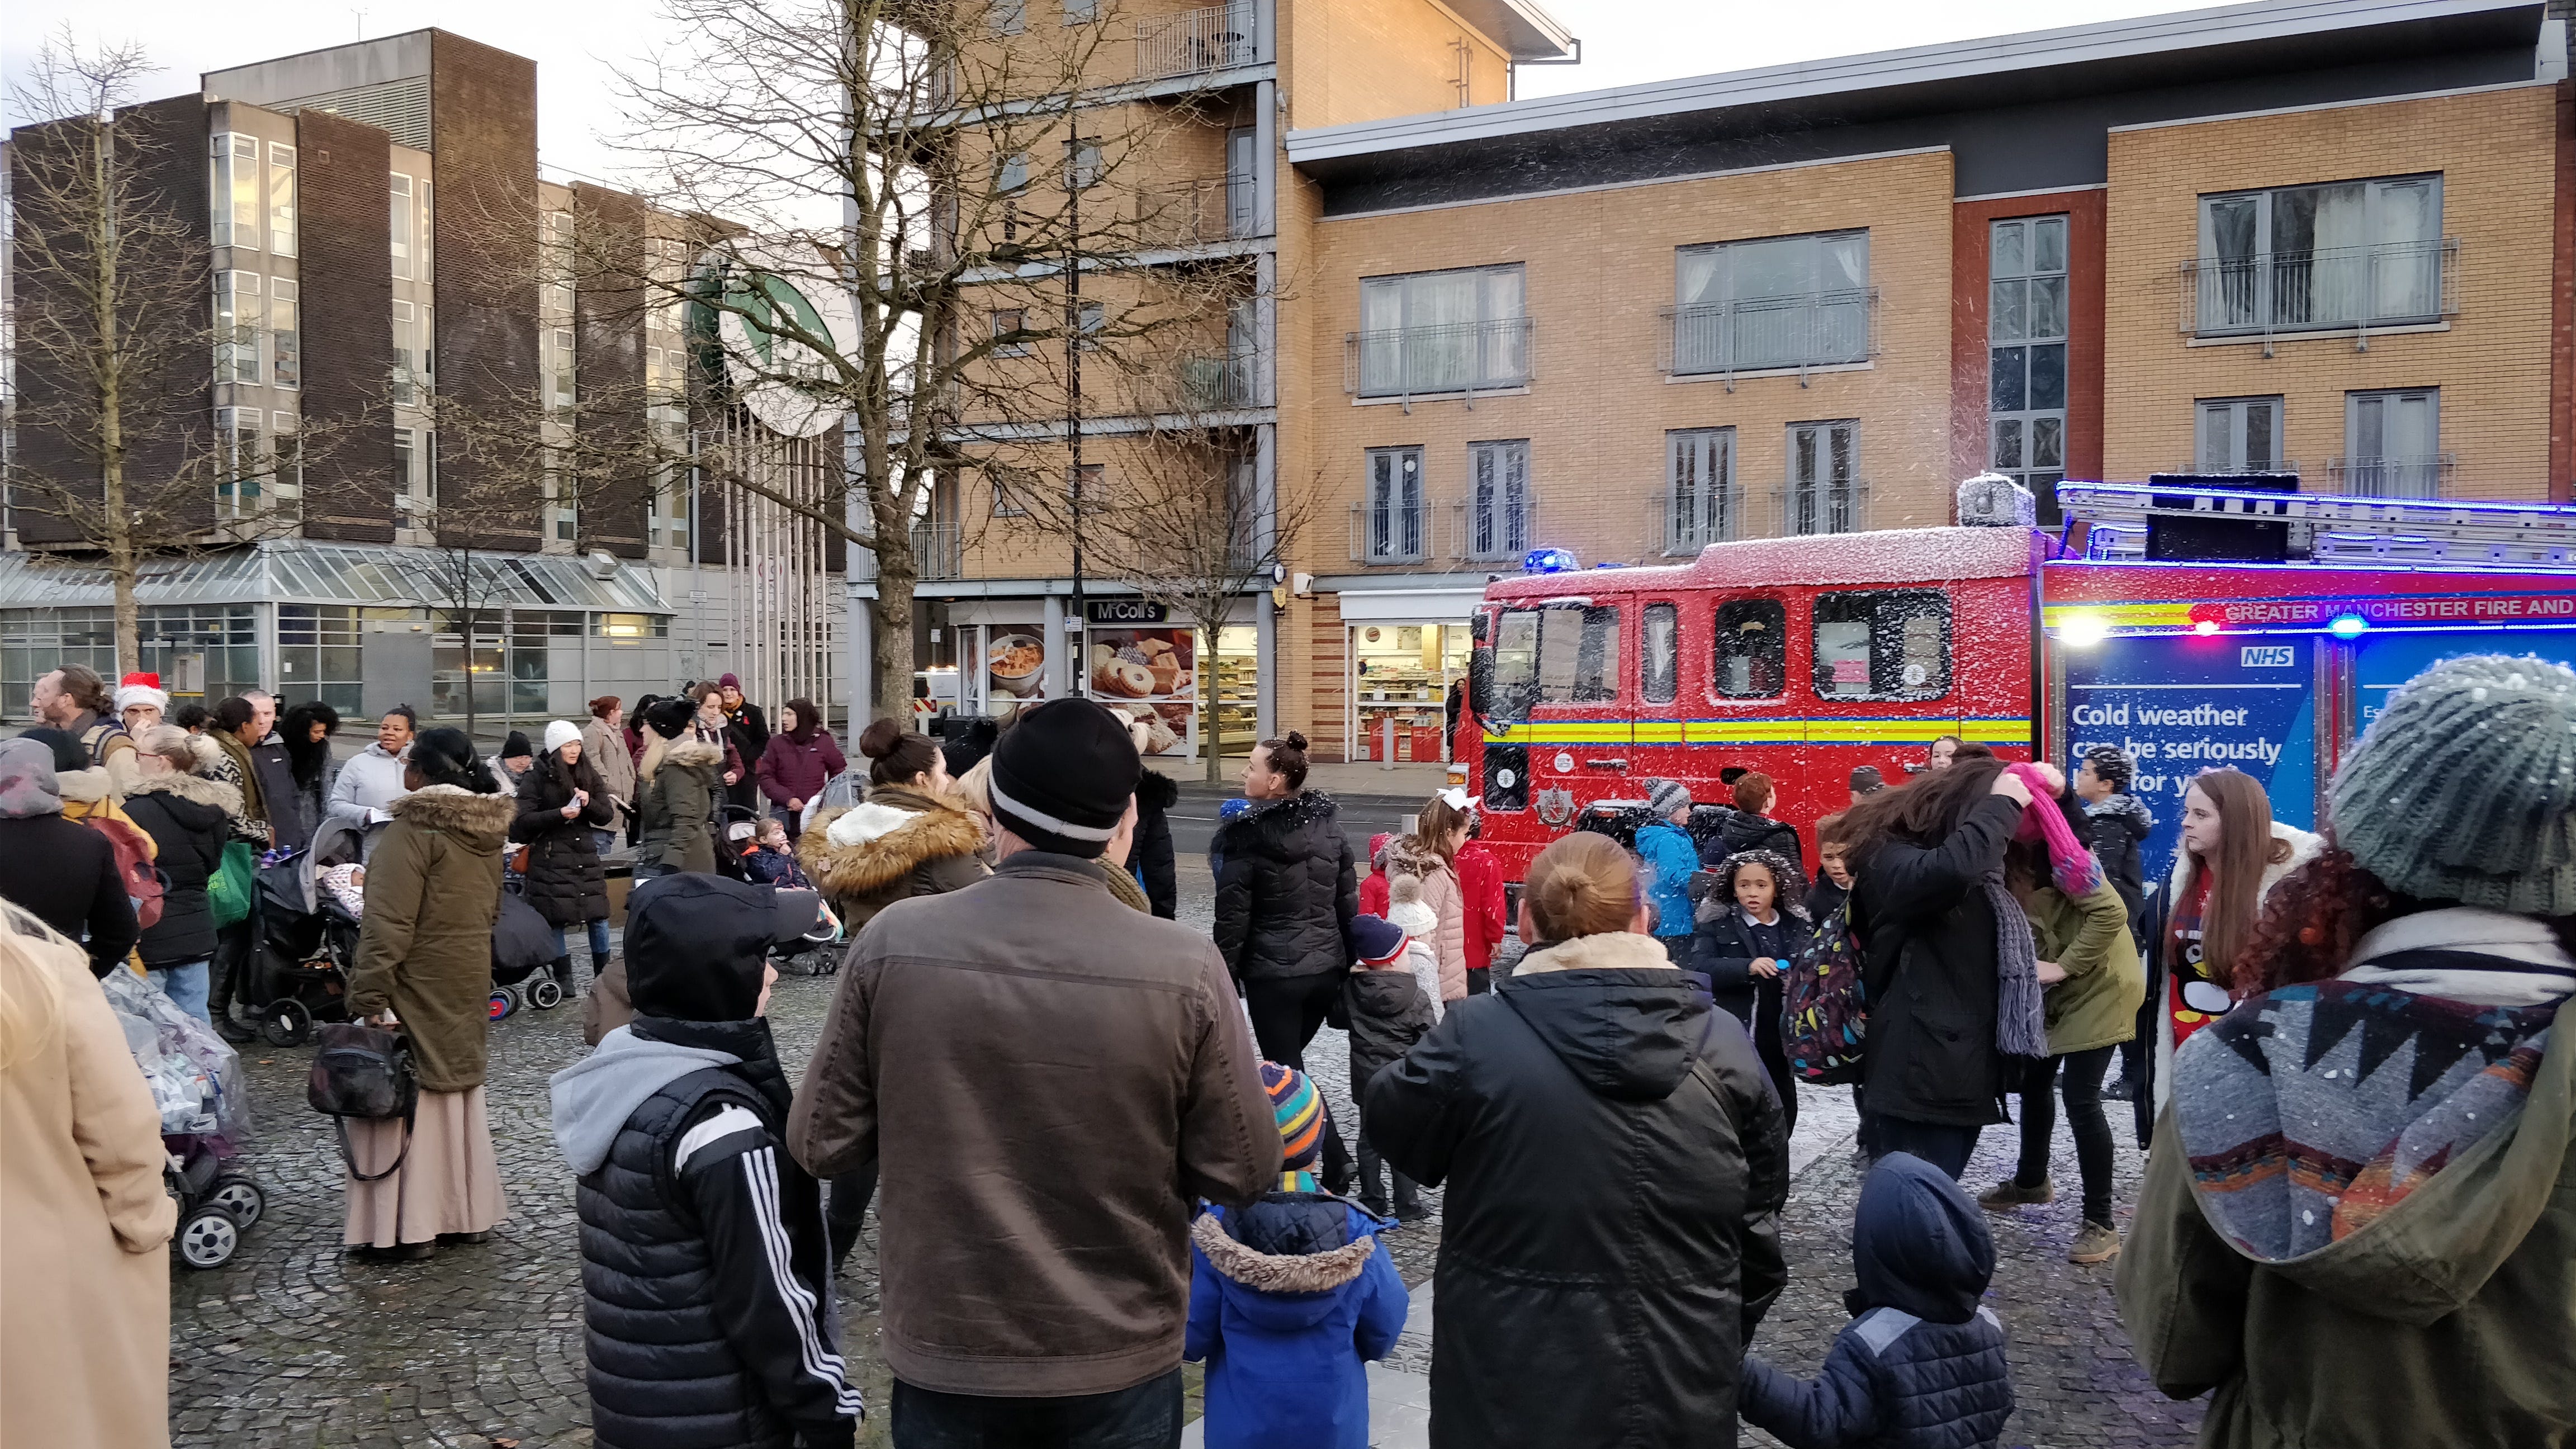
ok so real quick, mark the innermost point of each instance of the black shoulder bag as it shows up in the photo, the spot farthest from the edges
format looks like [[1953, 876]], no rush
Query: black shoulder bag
[[366, 1072]]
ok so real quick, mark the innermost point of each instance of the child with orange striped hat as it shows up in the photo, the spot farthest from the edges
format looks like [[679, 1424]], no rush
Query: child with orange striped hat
[[1290, 1298]]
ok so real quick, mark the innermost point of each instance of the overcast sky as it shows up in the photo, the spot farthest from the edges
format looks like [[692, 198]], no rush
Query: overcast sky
[[1624, 41]]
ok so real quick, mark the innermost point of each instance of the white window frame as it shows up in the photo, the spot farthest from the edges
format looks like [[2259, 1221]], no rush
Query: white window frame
[[1725, 330], [237, 458], [2325, 289], [1502, 502], [281, 199], [2378, 472], [231, 154], [2238, 413], [1701, 502], [1395, 508], [1820, 503], [285, 334], [1422, 354], [240, 312], [403, 242], [2029, 307]]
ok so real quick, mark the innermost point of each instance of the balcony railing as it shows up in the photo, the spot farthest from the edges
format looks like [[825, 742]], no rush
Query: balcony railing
[[1769, 334], [1458, 357], [2424, 475], [938, 551], [1194, 42], [1392, 533], [2190, 469], [1688, 519], [1194, 213], [2329, 289], [1823, 507], [1504, 529]]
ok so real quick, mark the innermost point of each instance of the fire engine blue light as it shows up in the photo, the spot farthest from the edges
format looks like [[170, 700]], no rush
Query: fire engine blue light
[[2348, 626], [1548, 561]]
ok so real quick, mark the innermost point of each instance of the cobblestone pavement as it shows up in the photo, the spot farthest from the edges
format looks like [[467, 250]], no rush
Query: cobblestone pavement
[[294, 1345]]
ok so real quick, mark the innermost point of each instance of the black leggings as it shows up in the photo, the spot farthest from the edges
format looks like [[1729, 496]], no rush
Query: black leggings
[[1286, 1013], [2083, 1088], [1765, 1028]]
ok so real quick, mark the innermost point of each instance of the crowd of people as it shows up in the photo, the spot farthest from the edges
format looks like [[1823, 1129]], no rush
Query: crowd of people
[[1093, 1150]]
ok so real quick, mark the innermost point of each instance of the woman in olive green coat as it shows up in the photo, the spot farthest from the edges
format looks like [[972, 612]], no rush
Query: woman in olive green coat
[[2092, 981], [677, 786], [425, 964]]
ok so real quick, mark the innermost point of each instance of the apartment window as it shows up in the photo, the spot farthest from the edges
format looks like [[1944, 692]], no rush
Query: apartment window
[[2026, 332], [1083, 486], [558, 265], [1081, 12], [1438, 332], [2392, 444], [1825, 492], [281, 199], [1395, 520], [402, 223], [285, 340], [411, 354], [562, 370], [1885, 644], [427, 232], [1004, 504], [234, 190], [1790, 301], [1500, 512], [1092, 322], [238, 316], [286, 457], [415, 474], [1009, 17], [1701, 506], [1009, 324], [668, 518], [237, 461], [1241, 167], [319, 654], [1012, 173], [2238, 435], [2334, 256], [1751, 660], [1082, 163], [563, 509]]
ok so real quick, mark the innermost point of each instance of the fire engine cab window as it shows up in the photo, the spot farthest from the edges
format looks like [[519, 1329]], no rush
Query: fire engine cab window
[[1752, 649], [1556, 656], [1883, 645], [1660, 653]]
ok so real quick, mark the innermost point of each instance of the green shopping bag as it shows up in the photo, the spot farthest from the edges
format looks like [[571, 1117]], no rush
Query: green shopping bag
[[229, 889]]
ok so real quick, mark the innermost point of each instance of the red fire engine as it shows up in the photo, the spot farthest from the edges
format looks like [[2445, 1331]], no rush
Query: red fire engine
[[2192, 623]]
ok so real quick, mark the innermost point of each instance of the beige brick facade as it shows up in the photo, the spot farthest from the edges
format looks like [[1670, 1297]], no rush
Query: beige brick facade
[[2494, 152], [1360, 60]]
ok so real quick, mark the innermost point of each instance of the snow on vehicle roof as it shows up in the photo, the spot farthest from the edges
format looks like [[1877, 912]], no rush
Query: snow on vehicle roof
[[1888, 556]]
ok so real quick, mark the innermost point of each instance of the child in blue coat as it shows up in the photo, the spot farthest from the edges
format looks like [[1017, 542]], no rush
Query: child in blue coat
[[1289, 1298], [1921, 1366]]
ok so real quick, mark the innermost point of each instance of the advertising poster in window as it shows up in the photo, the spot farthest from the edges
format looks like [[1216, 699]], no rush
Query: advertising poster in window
[[1015, 668], [2182, 705], [1152, 675]]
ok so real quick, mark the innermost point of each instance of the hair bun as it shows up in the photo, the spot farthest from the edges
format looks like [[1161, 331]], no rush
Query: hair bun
[[1296, 741], [879, 739]]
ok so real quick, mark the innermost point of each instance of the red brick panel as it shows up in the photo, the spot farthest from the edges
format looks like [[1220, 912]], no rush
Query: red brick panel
[[608, 360], [483, 236], [1328, 669], [2084, 265]]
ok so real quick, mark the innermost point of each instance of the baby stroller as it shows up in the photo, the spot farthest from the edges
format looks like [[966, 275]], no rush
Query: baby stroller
[[196, 1084], [523, 945], [308, 941], [736, 827]]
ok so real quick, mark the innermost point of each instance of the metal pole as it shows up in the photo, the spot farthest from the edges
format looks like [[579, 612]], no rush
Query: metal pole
[[1073, 366]]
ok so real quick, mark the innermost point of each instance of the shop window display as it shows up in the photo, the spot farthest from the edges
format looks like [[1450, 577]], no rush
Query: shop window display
[[1400, 679]]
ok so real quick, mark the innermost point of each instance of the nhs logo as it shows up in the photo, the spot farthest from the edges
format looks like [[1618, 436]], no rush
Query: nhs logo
[[2268, 656]]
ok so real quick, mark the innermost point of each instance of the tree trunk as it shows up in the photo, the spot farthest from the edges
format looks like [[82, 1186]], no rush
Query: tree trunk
[[113, 513], [1211, 734], [890, 638]]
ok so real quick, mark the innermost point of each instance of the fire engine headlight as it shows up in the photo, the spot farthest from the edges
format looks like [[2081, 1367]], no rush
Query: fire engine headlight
[[2083, 631], [2348, 626]]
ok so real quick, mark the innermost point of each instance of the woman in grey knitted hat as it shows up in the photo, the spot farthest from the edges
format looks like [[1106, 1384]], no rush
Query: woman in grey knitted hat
[[2361, 1218]]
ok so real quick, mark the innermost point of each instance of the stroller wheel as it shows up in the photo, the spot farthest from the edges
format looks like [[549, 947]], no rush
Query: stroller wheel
[[208, 1237], [286, 1022], [241, 1197], [545, 993], [504, 1001]]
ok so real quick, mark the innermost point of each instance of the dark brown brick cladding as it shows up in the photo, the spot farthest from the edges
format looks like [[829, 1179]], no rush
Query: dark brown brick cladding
[[483, 139], [347, 272], [169, 415], [608, 359]]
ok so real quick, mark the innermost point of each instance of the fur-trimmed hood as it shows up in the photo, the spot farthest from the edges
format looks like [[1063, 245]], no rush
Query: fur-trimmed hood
[[1609, 951], [866, 848], [215, 793], [688, 754], [1405, 857], [83, 787], [480, 822], [2304, 846], [1156, 790], [1267, 824], [1303, 1273]]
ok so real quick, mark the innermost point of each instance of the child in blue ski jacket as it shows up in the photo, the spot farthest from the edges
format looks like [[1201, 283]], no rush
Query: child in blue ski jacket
[[1289, 1298]]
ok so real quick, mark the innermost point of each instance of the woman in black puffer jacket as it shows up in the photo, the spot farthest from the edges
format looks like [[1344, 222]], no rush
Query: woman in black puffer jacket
[[562, 801], [1615, 1169], [1284, 900], [189, 818]]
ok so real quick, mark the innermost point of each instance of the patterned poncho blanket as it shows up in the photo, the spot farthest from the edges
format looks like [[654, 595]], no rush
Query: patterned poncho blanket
[[2309, 1111]]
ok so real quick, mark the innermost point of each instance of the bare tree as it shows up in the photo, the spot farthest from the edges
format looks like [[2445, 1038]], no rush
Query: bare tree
[[966, 205], [114, 339], [1183, 523]]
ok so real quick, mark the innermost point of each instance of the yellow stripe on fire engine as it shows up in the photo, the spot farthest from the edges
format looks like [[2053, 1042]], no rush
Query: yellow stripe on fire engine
[[1762, 731], [2118, 615]]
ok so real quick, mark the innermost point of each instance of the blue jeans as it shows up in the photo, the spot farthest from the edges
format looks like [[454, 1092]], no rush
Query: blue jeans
[[1147, 1416], [187, 983], [598, 940]]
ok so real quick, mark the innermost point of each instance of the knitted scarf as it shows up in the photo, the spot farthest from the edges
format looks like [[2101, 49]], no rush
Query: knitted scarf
[[2072, 868], [2021, 1018]]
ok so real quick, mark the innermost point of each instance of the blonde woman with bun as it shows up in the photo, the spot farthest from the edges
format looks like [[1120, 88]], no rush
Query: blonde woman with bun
[[84, 1261], [1615, 1166]]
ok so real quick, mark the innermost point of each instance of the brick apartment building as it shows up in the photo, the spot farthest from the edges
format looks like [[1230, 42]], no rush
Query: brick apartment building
[[375, 224], [2331, 235]]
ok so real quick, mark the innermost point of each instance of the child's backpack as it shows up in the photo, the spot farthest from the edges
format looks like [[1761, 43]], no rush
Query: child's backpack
[[143, 883], [1822, 1020]]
